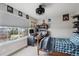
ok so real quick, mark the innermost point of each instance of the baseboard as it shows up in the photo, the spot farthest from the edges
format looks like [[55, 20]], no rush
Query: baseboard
[[17, 51]]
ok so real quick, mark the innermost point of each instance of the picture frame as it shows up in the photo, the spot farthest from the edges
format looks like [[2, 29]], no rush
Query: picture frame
[[27, 16], [20, 13], [66, 17], [9, 9]]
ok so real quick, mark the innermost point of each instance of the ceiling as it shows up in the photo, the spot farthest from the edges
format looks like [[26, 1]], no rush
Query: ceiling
[[52, 10]]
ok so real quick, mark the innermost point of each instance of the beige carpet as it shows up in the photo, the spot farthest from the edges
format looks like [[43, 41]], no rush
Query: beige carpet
[[29, 51]]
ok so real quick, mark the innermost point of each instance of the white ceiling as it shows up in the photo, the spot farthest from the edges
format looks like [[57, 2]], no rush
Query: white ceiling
[[51, 10]]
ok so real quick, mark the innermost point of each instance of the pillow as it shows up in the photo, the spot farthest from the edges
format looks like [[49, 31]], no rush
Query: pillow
[[75, 38]]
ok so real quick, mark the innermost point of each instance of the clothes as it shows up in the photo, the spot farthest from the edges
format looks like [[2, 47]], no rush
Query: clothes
[[31, 40], [46, 43]]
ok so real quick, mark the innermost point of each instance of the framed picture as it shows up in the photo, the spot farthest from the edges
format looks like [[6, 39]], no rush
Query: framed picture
[[66, 17], [27, 16], [9, 9], [20, 13]]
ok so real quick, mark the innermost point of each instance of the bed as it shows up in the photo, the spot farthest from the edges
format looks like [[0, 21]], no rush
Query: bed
[[63, 45]]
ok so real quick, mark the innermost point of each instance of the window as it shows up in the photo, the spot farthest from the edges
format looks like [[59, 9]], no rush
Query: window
[[11, 33]]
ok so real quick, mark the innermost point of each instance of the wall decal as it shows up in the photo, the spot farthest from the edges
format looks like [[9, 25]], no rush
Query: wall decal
[[9, 9], [66, 17]]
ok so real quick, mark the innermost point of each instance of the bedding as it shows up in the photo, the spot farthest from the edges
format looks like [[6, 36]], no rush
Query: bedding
[[65, 45], [75, 38], [46, 44]]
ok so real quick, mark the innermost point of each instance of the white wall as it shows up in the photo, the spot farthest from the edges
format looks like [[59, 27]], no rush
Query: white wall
[[12, 19], [60, 28], [7, 19], [6, 48], [63, 29]]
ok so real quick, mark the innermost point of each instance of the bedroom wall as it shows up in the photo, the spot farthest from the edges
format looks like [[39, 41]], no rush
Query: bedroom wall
[[63, 29], [60, 28], [13, 19]]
